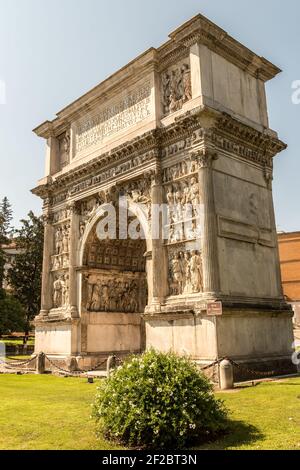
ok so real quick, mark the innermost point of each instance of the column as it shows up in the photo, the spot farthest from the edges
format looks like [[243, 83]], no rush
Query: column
[[159, 255], [46, 294], [211, 278], [74, 237]]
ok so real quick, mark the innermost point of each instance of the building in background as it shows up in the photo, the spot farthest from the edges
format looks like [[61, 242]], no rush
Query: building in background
[[289, 250]]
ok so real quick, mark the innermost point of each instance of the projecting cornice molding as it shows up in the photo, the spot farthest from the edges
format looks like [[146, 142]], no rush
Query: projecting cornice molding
[[145, 152], [198, 30]]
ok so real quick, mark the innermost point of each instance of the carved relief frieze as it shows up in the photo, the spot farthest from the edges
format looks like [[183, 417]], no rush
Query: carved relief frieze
[[61, 215], [61, 291], [185, 272], [109, 292], [184, 168], [184, 210], [64, 149], [111, 173], [60, 260], [176, 86]]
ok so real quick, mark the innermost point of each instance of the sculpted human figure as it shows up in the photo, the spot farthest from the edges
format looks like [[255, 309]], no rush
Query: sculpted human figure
[[133, 297], [184, 168], [187, 273], [138, 196], [166, 91], [58, 286], [177, 272], [65, 240], [105, 297], [94, 304], [173, 103], [172, 234], [196, 272], [195, 195], [187, 84], [58, 241]]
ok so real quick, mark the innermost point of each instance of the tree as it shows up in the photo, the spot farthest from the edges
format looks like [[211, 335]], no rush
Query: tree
[[2, 258], [26, 272], [12, 316], [6, 216], [2, 263]]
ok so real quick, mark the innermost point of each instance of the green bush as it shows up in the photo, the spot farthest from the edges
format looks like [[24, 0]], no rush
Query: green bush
[[158, 401]]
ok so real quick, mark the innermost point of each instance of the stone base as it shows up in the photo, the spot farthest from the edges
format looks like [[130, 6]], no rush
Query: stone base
[[255, 339]]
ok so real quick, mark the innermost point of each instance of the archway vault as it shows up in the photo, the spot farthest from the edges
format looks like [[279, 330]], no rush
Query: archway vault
[[113, 290]]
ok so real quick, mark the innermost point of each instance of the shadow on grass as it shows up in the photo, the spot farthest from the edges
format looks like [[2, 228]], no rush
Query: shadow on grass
[[238, 434]]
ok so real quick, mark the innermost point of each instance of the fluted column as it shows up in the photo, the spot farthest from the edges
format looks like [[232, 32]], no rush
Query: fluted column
[[211, 278], [159, 270], [73, 243], [46, 294]]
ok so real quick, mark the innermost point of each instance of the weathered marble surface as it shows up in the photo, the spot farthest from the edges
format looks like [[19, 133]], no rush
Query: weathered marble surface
[[184, 125]]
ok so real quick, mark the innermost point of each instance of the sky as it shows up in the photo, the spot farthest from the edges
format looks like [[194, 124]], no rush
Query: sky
[[52, 52]]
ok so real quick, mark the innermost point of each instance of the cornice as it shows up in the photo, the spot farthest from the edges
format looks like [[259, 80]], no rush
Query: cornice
[[224, 133], [197, 30], [200, 29]]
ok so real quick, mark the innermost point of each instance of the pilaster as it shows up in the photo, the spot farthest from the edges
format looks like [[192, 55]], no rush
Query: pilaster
[[46, 294], [211, 278]]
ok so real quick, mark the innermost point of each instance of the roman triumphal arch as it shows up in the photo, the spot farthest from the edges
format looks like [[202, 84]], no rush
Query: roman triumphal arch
[[158, 209]]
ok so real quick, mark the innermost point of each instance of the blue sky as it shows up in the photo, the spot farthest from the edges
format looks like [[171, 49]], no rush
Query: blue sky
[[51, 52]]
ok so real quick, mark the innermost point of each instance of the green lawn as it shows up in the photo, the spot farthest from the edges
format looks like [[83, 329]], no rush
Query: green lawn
[[46, 412], [17, 342]]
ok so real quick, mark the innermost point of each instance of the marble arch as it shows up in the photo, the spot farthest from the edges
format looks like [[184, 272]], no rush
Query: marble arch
[[184, 123]]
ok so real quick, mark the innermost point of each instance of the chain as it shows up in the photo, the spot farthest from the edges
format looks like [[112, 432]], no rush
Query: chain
[[98, 365], [218, 361], [75, 373], [17, 364], [251, 371]]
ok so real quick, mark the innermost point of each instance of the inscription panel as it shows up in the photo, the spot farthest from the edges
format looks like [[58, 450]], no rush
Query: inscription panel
[[121, 115]]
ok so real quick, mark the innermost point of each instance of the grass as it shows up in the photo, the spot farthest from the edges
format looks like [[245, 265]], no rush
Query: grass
[[264, 417], [18, 358], [47, 412], [17, 342]]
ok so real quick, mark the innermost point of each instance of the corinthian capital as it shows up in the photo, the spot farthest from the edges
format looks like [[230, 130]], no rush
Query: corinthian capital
[[47, 218], [204, 157]]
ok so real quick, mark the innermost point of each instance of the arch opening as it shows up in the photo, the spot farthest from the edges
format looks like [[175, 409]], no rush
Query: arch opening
[[114, 292]]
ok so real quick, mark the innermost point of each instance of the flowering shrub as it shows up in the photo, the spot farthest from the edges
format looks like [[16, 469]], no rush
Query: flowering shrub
[[158, 401]]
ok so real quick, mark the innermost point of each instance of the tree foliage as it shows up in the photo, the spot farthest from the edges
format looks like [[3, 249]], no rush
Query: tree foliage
[[6, 216], [25, 275], [12, 317]]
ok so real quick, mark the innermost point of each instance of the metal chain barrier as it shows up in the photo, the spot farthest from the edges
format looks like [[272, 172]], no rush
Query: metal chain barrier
[[20, 364], [213, 364], [251, 371], [15, 365], [77, 372]]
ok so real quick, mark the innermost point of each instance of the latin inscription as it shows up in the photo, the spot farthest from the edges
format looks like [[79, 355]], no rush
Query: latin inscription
[[131, 110]]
